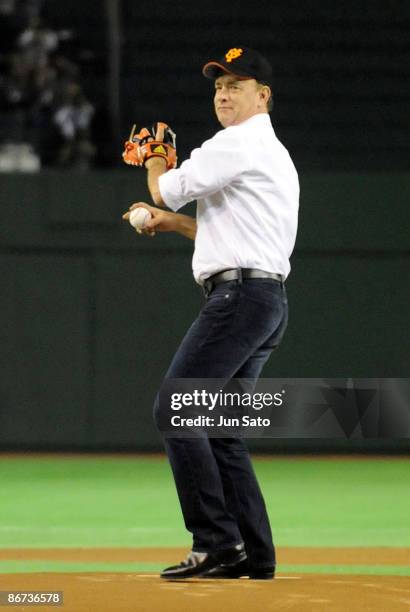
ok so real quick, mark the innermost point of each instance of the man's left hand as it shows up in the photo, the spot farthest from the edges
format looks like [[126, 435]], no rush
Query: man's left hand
[[159, 142]]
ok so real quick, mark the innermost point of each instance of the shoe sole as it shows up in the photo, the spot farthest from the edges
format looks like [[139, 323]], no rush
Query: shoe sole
[[253, 576]]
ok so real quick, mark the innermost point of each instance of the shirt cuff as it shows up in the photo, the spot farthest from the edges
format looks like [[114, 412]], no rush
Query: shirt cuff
[[170, 189]]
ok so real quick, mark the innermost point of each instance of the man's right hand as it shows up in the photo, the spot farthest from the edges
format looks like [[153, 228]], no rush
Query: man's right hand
[[161, 221]]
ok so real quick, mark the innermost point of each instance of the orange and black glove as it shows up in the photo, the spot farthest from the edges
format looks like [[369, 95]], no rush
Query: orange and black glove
[[159, 142]]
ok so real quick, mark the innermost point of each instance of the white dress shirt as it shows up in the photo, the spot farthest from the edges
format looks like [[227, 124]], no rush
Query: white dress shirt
[[247, 193]]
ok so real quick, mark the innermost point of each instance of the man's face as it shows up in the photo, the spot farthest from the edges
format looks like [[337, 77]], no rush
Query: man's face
[[237, 100]]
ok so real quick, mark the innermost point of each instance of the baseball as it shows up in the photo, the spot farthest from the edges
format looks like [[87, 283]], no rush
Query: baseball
[[139, 217]]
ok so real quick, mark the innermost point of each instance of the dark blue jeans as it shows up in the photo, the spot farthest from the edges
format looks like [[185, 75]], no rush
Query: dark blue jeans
[[233, 336]]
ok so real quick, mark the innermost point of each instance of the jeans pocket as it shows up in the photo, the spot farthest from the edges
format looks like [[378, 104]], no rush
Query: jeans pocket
[[222, 297]]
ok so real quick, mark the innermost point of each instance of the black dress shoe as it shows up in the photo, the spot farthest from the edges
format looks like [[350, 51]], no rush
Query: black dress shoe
[[239, 569], [198, 562]]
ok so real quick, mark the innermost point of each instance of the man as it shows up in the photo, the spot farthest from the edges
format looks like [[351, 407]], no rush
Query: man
[[247, 194]]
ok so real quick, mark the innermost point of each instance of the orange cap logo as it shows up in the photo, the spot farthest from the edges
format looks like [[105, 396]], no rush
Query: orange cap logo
[[233, 54]]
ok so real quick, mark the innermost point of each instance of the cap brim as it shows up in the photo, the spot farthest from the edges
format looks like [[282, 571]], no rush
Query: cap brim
[[212, 70]]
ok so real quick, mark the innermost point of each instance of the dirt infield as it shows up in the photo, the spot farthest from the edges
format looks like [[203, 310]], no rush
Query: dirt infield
[[286, 555], [143, 592], [147, 593]]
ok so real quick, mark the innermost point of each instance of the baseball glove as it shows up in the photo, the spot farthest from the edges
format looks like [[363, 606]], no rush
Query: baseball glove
[[159, 142]]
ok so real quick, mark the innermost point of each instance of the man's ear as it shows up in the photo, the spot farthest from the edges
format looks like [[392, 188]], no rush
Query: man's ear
[[266, 93]]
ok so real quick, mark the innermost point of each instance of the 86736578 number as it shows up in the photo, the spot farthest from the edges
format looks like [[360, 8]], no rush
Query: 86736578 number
[[31, 598]]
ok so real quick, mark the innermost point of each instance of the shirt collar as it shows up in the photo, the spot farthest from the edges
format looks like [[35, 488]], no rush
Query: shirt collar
[[262, 118]]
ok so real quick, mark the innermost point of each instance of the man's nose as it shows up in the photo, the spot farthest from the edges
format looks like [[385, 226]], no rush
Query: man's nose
[[222, 93]]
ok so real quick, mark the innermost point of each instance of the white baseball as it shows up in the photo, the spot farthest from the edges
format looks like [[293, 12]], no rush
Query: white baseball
[[139, 217]]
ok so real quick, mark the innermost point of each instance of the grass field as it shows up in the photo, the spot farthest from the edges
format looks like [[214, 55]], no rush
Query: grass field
[[127, 502]]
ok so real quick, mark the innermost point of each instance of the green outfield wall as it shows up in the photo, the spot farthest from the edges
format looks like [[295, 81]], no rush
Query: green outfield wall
[[91, 313]]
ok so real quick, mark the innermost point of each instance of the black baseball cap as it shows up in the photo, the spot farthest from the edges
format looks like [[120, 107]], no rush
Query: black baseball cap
[[240, 61]]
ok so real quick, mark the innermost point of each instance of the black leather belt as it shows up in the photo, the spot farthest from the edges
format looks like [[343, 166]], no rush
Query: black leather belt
[[237, 274]]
